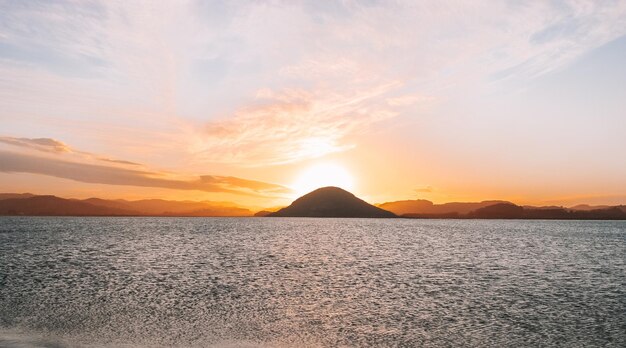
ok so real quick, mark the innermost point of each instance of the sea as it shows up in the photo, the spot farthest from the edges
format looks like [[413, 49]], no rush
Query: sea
[[309, 282]]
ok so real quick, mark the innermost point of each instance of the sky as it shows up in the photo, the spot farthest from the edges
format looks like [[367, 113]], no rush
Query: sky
[[255, 102]]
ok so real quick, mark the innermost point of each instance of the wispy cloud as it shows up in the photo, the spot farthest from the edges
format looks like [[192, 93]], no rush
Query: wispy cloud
[[118, 161], [58, 147], [239, 183], [11, 162], [291, 126], [369, 62], [40, 144], [46, 156], [163, 77]]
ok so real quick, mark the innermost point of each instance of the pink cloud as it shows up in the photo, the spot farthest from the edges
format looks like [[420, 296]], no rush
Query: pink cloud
[[292, 125]]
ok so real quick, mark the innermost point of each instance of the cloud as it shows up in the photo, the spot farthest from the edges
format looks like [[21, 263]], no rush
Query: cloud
[[11, 162], [292, 125], [425, 189], [362, 63], [188, 74], [118, 161], [40, 144], [55, 146], [238, 183]]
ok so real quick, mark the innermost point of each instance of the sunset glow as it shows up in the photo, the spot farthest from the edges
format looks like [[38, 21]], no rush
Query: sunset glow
[[322, 175], [312, 173], [244, 101]]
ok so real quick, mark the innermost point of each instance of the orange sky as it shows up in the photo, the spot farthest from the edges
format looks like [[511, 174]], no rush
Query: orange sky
[[254, 103]]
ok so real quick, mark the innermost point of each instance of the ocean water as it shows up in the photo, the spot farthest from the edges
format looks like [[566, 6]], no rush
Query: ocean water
[[273, 282]]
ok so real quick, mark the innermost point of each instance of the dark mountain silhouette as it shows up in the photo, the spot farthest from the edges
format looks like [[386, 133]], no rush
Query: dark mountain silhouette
[[27, 204], [15, 195], [423, 209], [589, 207], [499, 211], [267, 211], [331, 202], [185, 208], [612, 213], [324, 202], [115, 204], [51, 205], [161, 207], [426, 208], [512, 211], [544, 207]]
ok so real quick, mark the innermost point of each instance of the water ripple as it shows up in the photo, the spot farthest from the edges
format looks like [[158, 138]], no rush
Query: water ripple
[[196, 282]]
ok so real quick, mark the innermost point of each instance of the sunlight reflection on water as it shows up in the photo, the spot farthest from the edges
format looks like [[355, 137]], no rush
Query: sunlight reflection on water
[[311, 282]]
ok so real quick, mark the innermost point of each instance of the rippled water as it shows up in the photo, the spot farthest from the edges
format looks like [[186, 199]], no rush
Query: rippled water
[[311, 282]]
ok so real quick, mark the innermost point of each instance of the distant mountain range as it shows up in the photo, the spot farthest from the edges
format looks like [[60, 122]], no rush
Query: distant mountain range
[[28, 204], [500, 210], [324, 202], [427, 208], [512, 211], [331, 202]]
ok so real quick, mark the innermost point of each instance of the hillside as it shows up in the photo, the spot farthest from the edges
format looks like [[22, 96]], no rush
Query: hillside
[[331, 202], [28, 204], [429, 209], [51, 205]]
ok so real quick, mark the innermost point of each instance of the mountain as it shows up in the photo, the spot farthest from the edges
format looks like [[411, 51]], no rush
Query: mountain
[[331, 202], [545, 207], [15, 195], [502, 210], [425, 208], [114, 204], [512, 211], [28, 204], [324, 202], [589, 207], [51, 205], [499, 211], [161, 207]]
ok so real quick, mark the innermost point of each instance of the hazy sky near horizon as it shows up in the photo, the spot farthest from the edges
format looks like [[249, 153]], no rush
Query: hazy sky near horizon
[[236, 100]]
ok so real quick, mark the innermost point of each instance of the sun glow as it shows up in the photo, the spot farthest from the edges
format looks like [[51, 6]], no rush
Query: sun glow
[[321, 175]]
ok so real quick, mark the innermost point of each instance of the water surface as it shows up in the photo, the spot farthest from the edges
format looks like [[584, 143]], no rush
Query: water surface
[[100, 282]]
